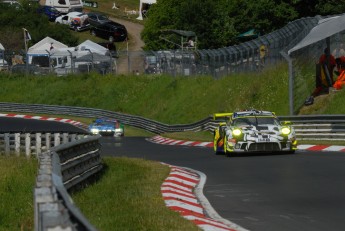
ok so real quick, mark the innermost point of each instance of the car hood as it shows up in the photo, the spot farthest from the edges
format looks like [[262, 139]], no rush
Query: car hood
[[94, 126]]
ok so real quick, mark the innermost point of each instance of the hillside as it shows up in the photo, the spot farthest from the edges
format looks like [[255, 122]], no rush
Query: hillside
[[166, 99]]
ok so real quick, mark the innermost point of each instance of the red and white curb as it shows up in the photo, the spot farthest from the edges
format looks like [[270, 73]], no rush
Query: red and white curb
[[69, 121], [168, 141], [182, 192], [307, 147]]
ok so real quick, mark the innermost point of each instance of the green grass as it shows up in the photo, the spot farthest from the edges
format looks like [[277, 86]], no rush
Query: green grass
[[162, 98], [17, 179], [165, 99], [128, 197]]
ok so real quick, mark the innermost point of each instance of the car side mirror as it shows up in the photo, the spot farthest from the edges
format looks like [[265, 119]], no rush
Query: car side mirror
[[286, 123]]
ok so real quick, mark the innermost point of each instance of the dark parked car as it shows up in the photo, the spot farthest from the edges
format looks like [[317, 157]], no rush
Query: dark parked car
[[51, 12], [96, 19], [112, 31]]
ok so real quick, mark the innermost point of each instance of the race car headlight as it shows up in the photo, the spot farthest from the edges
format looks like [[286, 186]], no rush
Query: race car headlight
[[94, 130], [286, 130], [237, 132]]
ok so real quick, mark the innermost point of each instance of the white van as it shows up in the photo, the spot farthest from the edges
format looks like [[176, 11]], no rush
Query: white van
[[65, 6]]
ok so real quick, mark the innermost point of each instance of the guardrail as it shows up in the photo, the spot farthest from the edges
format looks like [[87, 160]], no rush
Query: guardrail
[[33, 144], [308, 127], [61, 168]]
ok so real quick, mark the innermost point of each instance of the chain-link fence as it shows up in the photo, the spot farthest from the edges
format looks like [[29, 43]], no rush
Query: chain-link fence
[[249, 56], [305, 68]]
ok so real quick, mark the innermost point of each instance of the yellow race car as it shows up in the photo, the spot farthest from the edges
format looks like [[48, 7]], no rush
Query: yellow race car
[[253, 131]]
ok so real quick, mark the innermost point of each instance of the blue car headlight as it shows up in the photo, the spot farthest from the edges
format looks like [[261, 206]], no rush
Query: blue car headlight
[[94, 130]]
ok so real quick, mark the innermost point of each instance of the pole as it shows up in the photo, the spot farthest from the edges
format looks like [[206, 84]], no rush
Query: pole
[[25, 41]]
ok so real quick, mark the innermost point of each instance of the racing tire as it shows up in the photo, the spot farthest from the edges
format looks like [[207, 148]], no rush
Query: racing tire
[[215, 148]]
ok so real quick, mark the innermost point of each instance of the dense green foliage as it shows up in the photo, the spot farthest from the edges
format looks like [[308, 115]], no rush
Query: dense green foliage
[[217, 23], [17, 179]]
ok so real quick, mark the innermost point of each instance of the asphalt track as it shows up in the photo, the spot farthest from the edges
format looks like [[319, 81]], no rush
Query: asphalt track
[[304, 191]]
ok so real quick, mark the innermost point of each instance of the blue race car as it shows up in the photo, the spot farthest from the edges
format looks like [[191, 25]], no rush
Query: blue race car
[[107, 127]]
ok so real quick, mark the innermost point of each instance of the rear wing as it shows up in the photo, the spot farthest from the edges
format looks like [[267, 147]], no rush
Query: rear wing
[[222, 116]]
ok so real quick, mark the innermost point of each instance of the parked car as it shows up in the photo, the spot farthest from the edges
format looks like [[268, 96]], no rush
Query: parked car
[[96, 19], [76, 20], [112, 31], [11, 3], [51, 12]]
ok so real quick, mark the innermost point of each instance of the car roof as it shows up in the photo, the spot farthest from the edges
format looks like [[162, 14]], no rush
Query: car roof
[[112, 23], [252, 113], [96, 13], [75, 13]]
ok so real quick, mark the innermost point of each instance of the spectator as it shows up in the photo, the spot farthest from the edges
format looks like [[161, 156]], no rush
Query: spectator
[[339, 51], [340, 82], [324, 75], [190, 43]]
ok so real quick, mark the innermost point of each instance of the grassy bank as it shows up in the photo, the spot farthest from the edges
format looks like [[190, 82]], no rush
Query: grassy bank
[[162, 98], [128, 197], [17, 179]]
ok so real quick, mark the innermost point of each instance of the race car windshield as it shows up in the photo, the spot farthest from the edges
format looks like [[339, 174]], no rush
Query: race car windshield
[[104, 123], [249, 121]]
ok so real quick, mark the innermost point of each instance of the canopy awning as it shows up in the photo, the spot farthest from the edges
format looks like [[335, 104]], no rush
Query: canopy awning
[[93, 57], [141, 7], [249, 34], [325, 29], [184, 33]]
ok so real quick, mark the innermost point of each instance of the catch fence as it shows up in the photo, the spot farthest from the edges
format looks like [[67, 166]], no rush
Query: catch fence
[[305, 67], [250, 56]]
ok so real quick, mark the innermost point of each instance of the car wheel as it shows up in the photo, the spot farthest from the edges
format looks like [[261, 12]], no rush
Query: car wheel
[[111, 39], [93, 33], [215, 147]]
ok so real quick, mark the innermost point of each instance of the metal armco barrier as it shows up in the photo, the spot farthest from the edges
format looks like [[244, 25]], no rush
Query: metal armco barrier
[[308, 127], [60, 169], [33, 144]]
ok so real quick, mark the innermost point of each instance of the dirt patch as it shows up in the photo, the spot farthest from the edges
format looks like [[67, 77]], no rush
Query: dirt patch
[[134, 30], [134, 45]]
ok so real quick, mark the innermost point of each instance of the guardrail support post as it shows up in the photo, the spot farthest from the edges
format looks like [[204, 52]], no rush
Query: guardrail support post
[[38, 143], [17, 143], [56, 139], [7, 143], [48, 135], [27, 144], [65, 138]]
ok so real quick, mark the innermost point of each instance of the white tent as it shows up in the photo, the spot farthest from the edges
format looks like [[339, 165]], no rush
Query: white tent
[[43, 49], [46, 44], [89, 46], [141, 6], [2, 47]]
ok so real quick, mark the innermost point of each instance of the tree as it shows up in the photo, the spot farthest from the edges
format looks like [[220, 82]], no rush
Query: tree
[[216, 22], [37, 25], [207, 18]]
